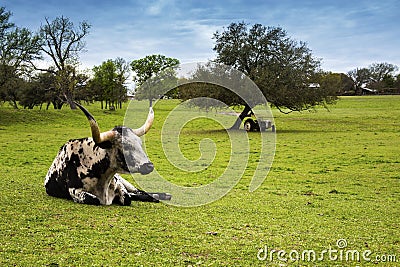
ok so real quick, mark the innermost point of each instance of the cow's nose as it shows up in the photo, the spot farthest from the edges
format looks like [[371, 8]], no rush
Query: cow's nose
[[146, 168]]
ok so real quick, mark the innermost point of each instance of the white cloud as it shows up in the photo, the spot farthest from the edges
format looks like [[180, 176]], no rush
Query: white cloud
[[157, 7]]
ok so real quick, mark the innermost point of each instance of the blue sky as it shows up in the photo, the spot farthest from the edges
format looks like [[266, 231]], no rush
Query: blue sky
[[343, 34]]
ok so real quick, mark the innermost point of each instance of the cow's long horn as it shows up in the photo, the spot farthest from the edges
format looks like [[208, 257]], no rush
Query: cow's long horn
[[147, 125], [97, 136]]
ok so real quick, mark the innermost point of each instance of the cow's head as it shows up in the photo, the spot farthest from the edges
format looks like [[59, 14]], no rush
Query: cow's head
[[124, 143]]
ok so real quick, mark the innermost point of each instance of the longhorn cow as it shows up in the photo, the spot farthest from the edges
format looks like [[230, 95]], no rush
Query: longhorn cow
[[86, 170]]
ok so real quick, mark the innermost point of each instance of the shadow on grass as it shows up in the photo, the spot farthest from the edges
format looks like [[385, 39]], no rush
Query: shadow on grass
[[299, 131]]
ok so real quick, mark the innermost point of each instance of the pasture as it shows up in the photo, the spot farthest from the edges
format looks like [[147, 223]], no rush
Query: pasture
[[335, 178]]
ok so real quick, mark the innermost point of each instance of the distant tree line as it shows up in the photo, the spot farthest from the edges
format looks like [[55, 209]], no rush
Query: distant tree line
[[41, 68], [285, 71], [378, 78]]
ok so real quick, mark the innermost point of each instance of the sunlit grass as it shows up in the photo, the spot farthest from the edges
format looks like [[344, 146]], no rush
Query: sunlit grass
[[335, 176]]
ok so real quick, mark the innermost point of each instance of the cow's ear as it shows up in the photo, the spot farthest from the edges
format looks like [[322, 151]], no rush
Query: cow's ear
[[105, 145]]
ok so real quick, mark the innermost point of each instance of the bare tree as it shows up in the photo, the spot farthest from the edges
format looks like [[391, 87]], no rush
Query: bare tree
[[63, 42]]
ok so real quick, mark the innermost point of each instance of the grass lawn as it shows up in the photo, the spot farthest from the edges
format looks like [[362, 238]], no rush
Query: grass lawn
[[335, 180]]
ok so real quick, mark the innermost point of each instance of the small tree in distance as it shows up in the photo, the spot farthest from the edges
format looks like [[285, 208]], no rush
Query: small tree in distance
[[376, 76], [109, 81], [152, 74]]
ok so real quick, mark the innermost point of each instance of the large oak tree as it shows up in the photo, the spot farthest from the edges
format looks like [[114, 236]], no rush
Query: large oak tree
[[281, 67]]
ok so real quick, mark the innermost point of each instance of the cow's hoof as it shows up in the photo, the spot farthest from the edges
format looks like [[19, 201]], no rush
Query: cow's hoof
[[91, 200], [142, 196], [161, 196], [127, 201]]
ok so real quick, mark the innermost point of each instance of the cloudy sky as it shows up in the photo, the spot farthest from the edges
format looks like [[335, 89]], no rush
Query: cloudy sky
[[344, 34]]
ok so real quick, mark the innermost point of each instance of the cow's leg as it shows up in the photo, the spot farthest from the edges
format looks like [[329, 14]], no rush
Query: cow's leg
[[121, 194], [134, 193], [83, 197], [128, 186], [141, 195]]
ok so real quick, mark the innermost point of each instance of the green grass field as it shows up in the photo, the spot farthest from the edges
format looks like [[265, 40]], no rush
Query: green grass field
[[335, 176]]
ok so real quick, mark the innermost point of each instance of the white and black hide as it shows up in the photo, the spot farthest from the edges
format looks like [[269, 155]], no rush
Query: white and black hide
[[86, 170]]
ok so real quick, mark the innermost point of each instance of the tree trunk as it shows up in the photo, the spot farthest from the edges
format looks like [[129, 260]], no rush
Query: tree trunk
[[72, 104], [151, 102], [57, 104], [357, 89], [70, 101], [14, 103], [246, 112]]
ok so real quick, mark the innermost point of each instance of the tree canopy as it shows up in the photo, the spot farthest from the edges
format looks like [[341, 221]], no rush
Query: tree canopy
[[18, 47], [281, 67], [109, 81], [152, 74], [378, 76]]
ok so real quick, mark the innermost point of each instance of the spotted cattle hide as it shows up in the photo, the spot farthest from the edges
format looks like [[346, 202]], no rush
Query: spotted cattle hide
[[86, 170]]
